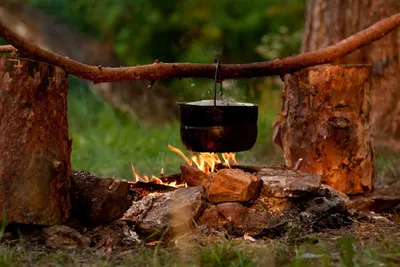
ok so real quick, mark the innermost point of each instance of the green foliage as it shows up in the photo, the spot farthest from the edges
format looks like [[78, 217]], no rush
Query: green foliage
[[106, 142], [3, 224], [226, 253], [190, 30], [347, 251], [7, 257]]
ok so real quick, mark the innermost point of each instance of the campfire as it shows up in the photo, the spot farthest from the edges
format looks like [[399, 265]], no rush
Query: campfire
[[214, 192], [205, 162]]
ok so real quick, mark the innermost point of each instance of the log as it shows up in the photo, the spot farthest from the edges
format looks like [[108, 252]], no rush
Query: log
[[246, 168], [146, 188], [35, 168], [170, 178], [97, 200], [227, 185], [325, 121]]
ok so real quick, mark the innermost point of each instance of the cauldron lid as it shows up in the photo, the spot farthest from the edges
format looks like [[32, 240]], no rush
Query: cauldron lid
[[207, 103]]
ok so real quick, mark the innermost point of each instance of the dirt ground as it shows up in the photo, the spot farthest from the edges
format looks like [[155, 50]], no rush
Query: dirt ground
[[364, 243]]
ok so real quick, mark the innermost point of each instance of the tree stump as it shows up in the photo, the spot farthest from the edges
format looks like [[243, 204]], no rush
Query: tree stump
[[35, 168], [328, 22], [326, 122]]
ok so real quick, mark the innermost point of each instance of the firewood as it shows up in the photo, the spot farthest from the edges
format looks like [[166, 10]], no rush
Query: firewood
[[246, 168], [167, 214], [149, 187], [98, 200], [176, 177], [224, 186]]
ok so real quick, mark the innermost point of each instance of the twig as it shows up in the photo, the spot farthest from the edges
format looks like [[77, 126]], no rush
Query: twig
[[159, 70], [151, 84], [298, 164], [8, 49]]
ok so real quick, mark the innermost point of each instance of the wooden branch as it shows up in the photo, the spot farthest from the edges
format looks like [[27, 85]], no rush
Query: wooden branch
[[7, 49], [158, 71]]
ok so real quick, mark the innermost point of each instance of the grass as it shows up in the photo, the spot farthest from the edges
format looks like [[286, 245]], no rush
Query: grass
[[387, 167], [105, 142], [346, 251]]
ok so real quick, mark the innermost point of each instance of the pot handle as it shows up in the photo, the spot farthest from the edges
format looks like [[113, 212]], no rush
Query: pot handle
[[215, 83]]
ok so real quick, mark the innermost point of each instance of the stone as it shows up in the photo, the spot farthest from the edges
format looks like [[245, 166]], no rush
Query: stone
[[61, 236], [227, 185], [96, 200], [168, 213], [192, 175], [281, 182], [232, 185]]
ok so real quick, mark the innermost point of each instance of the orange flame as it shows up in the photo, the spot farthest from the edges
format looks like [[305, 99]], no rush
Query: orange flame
[[153, 179], [206, 161]]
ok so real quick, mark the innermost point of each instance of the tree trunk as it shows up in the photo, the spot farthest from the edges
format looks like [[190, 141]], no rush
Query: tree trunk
[[328, 22], [155, 105], [326, 123], [35, 168]]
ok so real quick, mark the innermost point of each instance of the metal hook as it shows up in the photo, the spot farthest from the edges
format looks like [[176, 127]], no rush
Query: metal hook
[[215, 83]]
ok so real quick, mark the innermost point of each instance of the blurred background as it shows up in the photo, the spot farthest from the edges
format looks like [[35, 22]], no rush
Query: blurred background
[[114, 125]]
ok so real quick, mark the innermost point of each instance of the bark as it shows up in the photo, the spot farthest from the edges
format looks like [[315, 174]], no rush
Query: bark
[[326, 123], [53, 34], [97, 200], [35, 168], [330, 21], [163, 215]]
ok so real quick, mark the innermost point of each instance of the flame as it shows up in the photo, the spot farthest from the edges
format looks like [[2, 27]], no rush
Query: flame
[[207, 161], [146, 179], [204, 161]]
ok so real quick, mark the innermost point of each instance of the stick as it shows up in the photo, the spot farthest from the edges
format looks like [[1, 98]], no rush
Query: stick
[[158, 70], [7, 49]]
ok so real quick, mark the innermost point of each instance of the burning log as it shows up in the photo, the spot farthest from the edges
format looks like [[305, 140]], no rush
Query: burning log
[[98, 200], [149, 187], [35, 168], [169, 179], [326, 122]]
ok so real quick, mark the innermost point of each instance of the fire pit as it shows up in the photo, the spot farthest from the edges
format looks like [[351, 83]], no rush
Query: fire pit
[[215, 192], [212, 195]]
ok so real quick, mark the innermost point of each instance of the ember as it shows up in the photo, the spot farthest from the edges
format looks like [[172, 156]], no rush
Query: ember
[[207, 161]]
